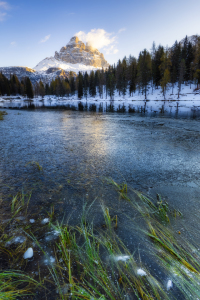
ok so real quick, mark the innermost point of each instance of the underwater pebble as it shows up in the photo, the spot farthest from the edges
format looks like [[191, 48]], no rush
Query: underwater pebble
[[169, 285], [28, 253], [32, 221], [141, 272], [46, 220]]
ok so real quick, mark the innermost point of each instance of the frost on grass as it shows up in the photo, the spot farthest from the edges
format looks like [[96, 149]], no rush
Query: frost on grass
[[51, 259], [52, 235], [28, 253], [17, 239], [141, 272]]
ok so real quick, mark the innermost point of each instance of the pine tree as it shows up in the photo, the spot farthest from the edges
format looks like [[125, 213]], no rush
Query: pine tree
[[196, 64], [72, 84], [144, 70], [197, 77], [164, 81], [119, 71], [165, 64], [111, 85], [181, 75], [41, 89], [175, 57], [80, 85], [29, 88], [92, 87], [85, 85], [47, 89], [132, 74], [156, 72]]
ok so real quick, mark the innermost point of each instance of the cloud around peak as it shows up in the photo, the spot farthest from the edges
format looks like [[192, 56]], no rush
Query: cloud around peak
[[100, 39]]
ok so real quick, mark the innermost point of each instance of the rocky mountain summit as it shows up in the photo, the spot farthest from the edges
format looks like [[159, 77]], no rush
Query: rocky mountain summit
[[75, 56], [77, 52]]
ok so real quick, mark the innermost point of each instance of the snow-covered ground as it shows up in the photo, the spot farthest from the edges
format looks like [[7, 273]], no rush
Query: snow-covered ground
[[188, 103]]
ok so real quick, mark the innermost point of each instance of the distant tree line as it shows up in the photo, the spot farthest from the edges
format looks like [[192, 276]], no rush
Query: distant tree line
[[15, 87], [159, 67]]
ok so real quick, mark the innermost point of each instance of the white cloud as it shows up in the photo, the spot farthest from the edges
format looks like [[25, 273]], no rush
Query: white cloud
[[13, 43], [111, 50], [2, 16], [3, 6], [122, 29], [100, 39], [46, 38]]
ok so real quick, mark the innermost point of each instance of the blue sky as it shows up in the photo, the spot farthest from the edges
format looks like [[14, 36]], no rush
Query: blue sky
[[33, 30]]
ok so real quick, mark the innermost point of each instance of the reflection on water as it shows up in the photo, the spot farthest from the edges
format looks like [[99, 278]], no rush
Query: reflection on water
[[170, 108]]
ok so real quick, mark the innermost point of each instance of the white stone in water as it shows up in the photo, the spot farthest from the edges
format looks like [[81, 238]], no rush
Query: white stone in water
[[28, 253], [32, 221], [46, 220], [169, 285], [141, 272]]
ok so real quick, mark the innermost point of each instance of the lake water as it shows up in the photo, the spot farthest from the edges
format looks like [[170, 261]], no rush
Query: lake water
[[78, 150]]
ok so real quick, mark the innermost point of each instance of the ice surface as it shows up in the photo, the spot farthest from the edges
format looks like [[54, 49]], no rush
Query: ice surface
[[28, 253]]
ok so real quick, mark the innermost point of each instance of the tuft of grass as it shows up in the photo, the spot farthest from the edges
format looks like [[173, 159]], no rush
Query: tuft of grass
[[10, 282], [20, 202], [94, 263], [88, 266]]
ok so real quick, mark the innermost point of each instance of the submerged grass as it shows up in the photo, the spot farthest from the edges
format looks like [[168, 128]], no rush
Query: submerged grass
[[36, 164], [94, 263], [2, 114], [11, 283]]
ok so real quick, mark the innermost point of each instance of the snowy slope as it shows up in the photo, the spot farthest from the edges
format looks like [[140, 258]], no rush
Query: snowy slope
[[51, 62]]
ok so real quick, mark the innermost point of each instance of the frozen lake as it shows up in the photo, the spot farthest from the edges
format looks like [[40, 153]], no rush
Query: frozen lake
[[77, 150]]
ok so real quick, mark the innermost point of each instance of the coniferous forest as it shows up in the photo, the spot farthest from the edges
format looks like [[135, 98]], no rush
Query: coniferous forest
[[161, 66]]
